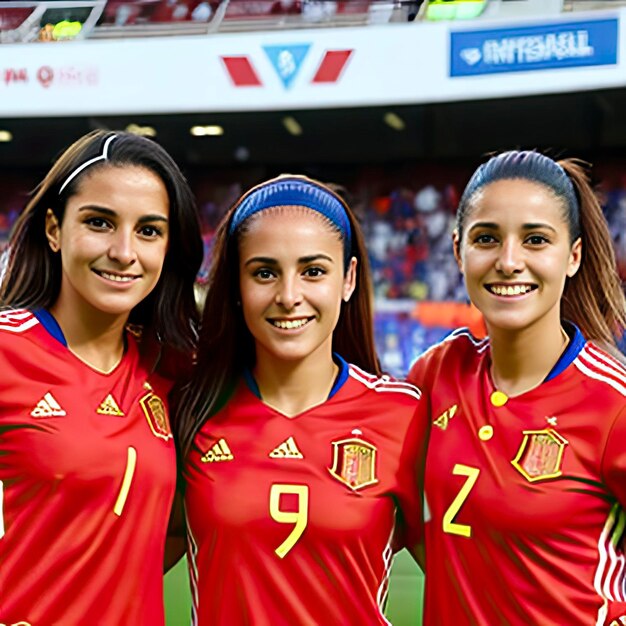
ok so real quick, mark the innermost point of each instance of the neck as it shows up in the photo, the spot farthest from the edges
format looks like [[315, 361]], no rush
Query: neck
[[521, 359], [292, 387], [96, 338]]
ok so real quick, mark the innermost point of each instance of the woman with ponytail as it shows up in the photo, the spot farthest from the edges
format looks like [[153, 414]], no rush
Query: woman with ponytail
[[526, 467]]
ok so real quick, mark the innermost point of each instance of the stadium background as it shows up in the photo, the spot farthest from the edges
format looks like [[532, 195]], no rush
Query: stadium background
[[397, 101]]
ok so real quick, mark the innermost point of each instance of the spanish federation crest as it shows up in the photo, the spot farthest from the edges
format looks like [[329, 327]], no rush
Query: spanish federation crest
[[354, 462], [540, 455], [156, 414]]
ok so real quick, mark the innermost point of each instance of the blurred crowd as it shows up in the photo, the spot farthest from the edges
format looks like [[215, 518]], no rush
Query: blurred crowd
[[419, 292], [122, 12]]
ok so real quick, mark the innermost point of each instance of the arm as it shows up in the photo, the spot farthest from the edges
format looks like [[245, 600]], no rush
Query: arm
[[411, 483], [614, 476], [176, 541]]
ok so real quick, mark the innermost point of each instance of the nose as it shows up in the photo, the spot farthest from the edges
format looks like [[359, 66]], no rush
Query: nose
[[510, 259], [289, 293], [122, 248]]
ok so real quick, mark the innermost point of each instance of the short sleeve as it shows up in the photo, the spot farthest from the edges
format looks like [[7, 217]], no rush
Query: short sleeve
[[420, 372], [411, 480], [614, 459], [417, 373]]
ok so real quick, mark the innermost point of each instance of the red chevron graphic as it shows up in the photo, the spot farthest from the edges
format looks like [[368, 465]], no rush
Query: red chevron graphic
[[241, 71], [331, 66]]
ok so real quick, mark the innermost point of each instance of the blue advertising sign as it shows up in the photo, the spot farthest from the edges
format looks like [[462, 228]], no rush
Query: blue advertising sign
[[547, 46]]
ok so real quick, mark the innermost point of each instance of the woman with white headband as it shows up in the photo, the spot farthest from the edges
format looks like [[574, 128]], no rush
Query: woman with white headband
[[526, 466], [99, 286], [300, 461]]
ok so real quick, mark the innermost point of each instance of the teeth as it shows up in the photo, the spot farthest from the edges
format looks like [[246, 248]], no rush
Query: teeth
[[510, 290], [115, 277], [289, 324]]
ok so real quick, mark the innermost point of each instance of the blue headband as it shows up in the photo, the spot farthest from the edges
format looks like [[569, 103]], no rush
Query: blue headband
[[294, 191]]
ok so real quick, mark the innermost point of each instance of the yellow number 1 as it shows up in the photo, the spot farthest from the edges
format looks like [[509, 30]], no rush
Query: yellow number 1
[[299, 517], [448, 525]]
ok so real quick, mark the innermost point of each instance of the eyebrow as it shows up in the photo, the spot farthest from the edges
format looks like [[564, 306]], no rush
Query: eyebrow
[[529, 226], [303, 260], [111, 213]]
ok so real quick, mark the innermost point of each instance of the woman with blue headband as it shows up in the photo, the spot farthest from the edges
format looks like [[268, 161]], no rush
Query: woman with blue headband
[[299, 458], [526, 468]]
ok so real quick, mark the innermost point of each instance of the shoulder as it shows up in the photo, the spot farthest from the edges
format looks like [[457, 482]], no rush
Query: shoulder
[[459, 347], [601, 369], [16, 321], [459, 341], [383, 384]]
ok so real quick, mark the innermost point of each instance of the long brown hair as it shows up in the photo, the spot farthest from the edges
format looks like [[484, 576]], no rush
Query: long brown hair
[[33, 275], [226, 347], [593, 298]]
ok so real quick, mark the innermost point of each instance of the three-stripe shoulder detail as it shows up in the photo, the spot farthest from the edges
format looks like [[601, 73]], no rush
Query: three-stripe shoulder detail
[[17, 320], [384, 384], [600, 366], [479, 345]]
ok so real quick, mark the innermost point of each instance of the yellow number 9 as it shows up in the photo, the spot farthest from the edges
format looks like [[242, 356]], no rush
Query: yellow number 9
[[299, 517]]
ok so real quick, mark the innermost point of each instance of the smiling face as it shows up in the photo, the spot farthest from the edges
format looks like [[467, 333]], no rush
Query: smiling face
[[292, 283], [516, 254], [112, 241]]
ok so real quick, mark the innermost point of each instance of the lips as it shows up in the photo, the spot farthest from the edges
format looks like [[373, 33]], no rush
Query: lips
[[290, 324], [115, 277], [508, 290]]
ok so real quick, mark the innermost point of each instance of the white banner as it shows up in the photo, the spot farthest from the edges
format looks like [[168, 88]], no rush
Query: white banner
[[304, 69]]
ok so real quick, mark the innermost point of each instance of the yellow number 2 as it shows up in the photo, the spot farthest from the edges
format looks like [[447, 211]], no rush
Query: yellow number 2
[[299, 517], [448, 525]]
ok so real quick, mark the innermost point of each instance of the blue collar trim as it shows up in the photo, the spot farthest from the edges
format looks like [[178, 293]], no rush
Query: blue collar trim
[[342, 376], [46, 319], [576, 344]]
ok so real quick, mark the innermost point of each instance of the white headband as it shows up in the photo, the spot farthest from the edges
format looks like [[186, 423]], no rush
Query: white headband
[[101, 157]]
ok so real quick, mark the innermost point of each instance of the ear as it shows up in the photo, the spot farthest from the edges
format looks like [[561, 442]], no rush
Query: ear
[[349, 280], [53, 231], [456, 247], [575, 258]]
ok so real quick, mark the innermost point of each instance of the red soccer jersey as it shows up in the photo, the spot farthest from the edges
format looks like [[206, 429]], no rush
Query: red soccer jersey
[[294, 521], [88, 472], [526, 496]]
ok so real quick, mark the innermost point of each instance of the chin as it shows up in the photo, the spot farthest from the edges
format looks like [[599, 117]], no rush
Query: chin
[[508, 322], [115, 309]]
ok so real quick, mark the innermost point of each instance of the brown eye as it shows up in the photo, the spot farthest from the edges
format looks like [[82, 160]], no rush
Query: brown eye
[[484, 239], [264, 274], [150, 231], [97, 222], [314, 272], [537, 240]]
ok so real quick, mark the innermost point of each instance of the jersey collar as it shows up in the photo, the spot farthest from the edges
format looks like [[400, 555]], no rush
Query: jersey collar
[[342, 376], [46, 319], [576, 344]]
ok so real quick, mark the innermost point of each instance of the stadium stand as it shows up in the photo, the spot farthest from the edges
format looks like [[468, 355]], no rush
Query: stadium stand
[[407, 214]]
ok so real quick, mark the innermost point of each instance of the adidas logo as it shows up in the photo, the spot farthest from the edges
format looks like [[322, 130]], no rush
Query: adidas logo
[[443, 420], [48, 407], [218, 452], [288, 449], [109, 407]]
